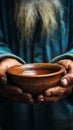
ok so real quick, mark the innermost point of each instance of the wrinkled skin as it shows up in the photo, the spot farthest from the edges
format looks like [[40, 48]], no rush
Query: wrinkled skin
[[14, 93], [65, 87]]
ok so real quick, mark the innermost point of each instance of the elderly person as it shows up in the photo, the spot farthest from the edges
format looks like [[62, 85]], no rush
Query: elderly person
[[36, 31]]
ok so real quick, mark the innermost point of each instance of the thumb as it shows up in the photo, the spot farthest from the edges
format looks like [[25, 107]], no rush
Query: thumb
[[67, 80], [3, 78]]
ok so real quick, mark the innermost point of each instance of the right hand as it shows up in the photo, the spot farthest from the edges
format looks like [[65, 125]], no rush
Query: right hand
[[13, 93]]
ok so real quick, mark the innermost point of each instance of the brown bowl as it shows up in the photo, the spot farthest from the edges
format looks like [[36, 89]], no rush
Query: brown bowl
[[35, 78]]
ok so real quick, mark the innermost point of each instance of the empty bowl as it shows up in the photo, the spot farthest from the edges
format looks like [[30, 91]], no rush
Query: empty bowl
[[35, 78]]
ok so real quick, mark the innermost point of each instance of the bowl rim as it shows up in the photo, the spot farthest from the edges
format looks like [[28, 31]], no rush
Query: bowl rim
[[62, 69]]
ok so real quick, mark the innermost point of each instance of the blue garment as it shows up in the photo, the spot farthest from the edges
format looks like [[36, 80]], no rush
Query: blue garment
[[54, 116]]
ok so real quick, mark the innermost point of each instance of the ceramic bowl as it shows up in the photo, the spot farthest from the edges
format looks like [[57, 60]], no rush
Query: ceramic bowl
[[35, 78]]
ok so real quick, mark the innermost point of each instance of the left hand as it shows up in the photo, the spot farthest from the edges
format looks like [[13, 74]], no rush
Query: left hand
[[65, 87]]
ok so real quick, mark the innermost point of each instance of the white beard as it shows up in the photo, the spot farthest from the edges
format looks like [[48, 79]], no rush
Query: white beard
[[29, 12]]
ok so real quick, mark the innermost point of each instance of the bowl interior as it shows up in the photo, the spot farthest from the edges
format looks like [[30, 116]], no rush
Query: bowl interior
[[36, 69]]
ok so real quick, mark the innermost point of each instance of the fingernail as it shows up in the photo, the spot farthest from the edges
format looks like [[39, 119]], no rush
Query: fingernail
[[64, 82], [48, 94], [31, 101], [3, 80], [42, 99]]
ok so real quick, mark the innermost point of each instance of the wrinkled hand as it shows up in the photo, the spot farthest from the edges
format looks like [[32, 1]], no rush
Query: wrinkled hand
[[65, 87], [13, 93]]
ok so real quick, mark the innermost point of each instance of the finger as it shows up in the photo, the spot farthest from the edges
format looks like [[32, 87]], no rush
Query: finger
[[12, 90], [68, 64], [54, 91], [67, 80], [53, 99], [65, 63], [59, 91], [50, 99], [16, 94], [20, 99], [3, 78], [70, 68], [27, 95], [40, 98]]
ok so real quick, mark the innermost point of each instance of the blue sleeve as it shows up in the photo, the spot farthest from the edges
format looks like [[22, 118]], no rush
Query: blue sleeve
[[3, 45], [5, 50], [71, 28], [69, 53]]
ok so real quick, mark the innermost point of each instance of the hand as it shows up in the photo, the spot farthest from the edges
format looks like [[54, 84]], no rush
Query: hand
[[13, 93], [65, 87]]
